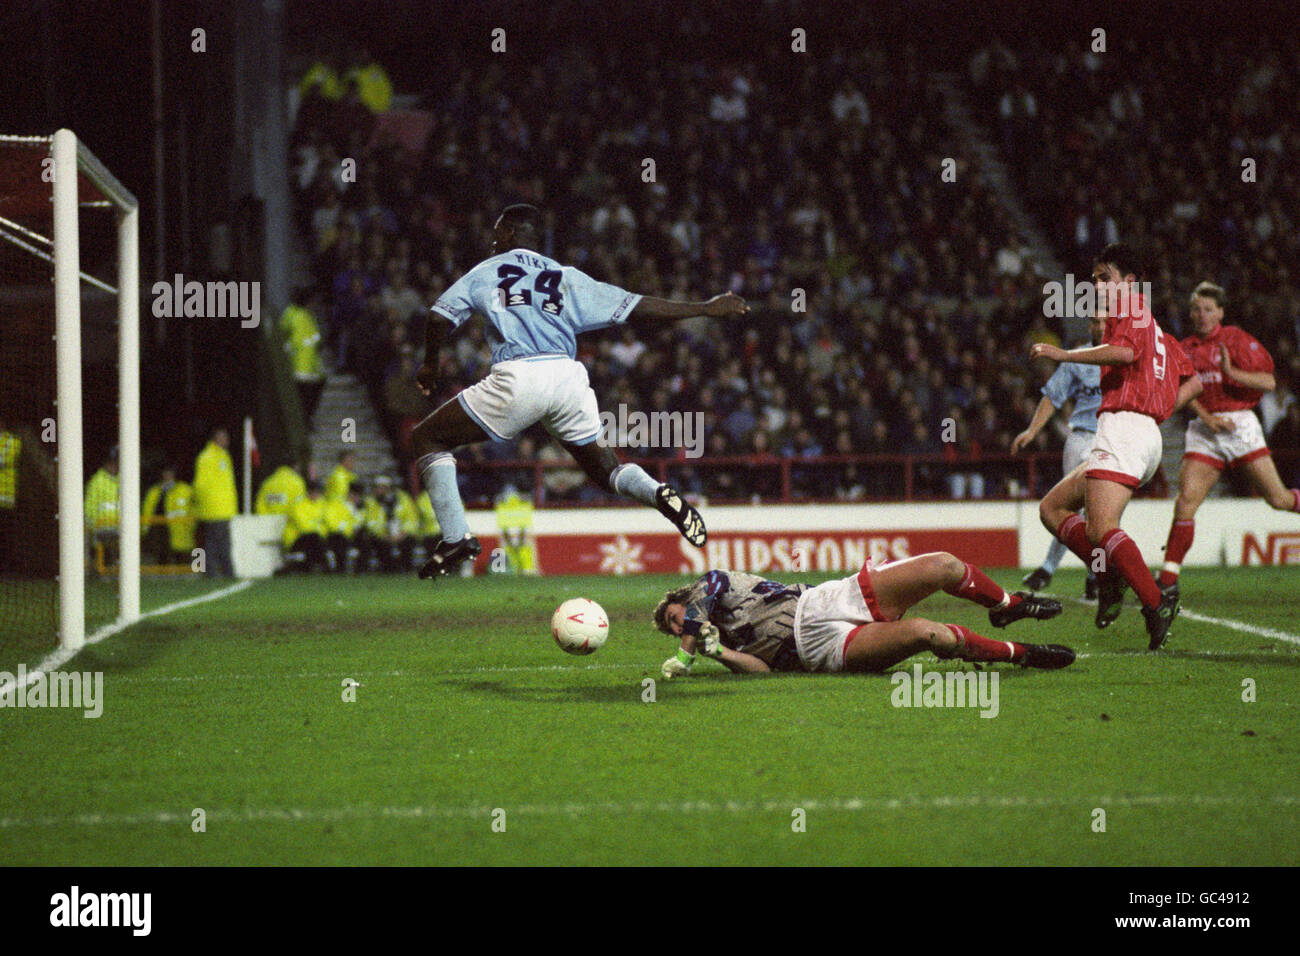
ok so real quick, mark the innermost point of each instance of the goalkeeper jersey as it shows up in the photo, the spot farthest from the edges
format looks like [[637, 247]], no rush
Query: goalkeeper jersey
[[753, 615]]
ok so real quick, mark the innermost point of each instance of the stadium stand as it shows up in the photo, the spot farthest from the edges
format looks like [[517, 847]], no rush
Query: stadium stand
[[914, 294]]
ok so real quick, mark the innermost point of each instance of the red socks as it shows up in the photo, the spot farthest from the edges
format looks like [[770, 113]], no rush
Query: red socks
[[1123, 557], [979, 587], [1179, 543], [1180, 540], [1073, 533], [973, 647]]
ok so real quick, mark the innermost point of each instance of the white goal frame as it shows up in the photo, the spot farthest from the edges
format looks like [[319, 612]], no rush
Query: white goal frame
[[71, 158]]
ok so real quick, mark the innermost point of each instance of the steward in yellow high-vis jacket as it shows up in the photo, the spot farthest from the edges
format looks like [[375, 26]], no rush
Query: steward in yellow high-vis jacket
[[279, 492], [11, 447], [430, 530], [374, 88], [322, 76], [341, 478], [515, 519], [396, 531], [307, 530], [302, 342], [172, 501], [215, 502], [11, 527], [101, 507], [340, 518]]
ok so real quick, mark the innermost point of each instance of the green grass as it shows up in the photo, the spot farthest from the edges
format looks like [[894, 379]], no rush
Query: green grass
[[466, 705], [29, 615]]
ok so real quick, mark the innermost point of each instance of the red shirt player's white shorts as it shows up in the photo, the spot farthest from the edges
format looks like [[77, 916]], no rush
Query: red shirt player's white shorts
[[1127, 449], [828, 614], [1244, 443]]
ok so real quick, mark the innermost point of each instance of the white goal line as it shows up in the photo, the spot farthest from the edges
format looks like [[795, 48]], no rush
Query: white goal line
[[63, 655]]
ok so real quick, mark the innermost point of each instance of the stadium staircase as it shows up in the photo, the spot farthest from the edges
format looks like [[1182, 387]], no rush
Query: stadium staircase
[[342, 397], [345, 397], [974, 139]]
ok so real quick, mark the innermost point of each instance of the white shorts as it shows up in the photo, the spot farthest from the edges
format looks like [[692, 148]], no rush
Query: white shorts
[[1244, 443], [1127, 449], [551, 389], [827, 614], [1077, 446]]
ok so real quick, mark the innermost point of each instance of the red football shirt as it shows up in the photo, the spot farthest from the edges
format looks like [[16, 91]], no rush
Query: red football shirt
[[1150, 384], [1247, 354]]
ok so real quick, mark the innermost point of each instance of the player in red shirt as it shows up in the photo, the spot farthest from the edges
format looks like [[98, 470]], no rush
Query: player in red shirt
[[1236, 371], [1145, 378]]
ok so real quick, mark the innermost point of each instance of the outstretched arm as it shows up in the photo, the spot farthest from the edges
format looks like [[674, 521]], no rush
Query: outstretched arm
[[1096, 355], [651, 309], [1042, 414]]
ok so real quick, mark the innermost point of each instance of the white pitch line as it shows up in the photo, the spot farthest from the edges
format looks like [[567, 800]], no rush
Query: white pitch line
[[633, 808], [1266, 632], [63, 655], [1136, 651]]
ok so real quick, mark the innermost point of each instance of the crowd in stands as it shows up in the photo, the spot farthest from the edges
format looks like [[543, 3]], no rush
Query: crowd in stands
[[918, 299], [1184, 153]]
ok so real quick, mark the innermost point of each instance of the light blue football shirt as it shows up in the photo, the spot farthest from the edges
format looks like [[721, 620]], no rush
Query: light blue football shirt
[[534, 305], [1082, 383]]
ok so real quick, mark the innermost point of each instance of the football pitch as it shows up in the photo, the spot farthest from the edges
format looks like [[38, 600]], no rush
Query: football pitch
[[472, 739]]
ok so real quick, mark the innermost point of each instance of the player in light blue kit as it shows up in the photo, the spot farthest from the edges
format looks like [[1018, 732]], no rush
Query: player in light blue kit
[[534, 308], [1082, 385]]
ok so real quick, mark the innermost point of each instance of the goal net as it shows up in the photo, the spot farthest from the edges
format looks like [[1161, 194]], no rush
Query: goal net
[[69, 409]]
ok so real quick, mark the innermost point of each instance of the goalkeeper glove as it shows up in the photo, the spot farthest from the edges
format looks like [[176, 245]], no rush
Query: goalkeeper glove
[[678, 665], [709, 641]]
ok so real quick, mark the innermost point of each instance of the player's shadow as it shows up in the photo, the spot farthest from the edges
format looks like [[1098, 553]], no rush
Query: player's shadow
[[567, 693], [149, 639]]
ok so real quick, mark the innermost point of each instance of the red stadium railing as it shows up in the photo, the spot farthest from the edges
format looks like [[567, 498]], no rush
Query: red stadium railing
[[773, 479]]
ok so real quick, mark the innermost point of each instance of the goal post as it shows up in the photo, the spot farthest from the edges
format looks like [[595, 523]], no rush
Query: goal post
[[76, 180], [72, 161]]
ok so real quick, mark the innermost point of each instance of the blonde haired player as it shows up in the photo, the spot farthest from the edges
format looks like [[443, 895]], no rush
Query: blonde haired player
[[1236, 371]]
